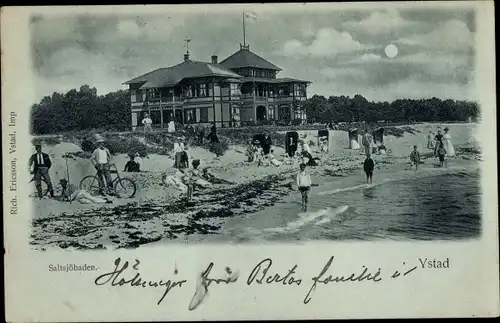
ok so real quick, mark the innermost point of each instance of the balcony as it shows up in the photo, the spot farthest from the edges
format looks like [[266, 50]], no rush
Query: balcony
[[167, 99]]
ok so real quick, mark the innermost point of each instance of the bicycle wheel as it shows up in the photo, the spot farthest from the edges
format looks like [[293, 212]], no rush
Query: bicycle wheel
[[90, 184], [124, 187]]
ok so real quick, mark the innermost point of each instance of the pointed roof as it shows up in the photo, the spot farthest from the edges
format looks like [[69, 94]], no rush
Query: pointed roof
[[170, 76], [245, 58]]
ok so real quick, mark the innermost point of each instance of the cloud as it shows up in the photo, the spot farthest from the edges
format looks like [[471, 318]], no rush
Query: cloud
[[451, 35], [379, 22], [128, 28], [438, 63], [328, 42], [336, 73]]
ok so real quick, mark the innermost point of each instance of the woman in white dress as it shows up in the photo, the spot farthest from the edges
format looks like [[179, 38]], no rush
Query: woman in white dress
[[448, 146], [430, 140], [171, 126], [354, 139]]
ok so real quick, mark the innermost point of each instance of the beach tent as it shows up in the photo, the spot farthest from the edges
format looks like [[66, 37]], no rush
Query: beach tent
[[324, 133], [353, 138], [378, 135], [291, 142]]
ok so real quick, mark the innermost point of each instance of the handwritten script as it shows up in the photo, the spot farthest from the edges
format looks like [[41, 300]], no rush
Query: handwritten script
[[263, 273]]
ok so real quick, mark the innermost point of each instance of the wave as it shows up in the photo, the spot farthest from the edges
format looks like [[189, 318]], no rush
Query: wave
[[350, 188], [310, 218], [407, 174]]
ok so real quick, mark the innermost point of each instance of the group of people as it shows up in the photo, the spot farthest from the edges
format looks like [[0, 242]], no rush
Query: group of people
[[441, 145], [40, 164], [187, 180], [147, 123]]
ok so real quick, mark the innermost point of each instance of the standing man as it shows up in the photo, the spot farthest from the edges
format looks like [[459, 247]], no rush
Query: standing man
[[304, 185], [101, 158], [266, 146], [147, 123], [42, 164]]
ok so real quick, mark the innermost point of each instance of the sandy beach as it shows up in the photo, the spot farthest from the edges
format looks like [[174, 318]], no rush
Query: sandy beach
[[157, 214]]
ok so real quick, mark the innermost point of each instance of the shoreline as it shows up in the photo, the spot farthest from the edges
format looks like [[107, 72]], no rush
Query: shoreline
[[164, 217]]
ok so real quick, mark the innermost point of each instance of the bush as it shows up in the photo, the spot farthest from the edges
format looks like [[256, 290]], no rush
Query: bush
[[126, 146]]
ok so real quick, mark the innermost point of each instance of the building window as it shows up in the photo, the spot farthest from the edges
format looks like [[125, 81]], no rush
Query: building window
[[204, 114], [153, 94], [284, 91], [270, 112], [138, 96], [235, 89], [300, 90], [190, 115], [202, 90], [133, 97], [210, 89], [260, 91], [189, 91]]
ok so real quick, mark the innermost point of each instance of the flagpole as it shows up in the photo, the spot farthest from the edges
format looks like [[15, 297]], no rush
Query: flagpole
[[244, 34], [67, 174]]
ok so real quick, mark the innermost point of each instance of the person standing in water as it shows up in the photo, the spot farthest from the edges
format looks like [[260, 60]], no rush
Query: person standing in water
[[415, 157], [304, 185], [368, 166]]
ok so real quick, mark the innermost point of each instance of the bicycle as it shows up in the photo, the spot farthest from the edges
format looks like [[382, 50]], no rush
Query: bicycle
[[122, 186]]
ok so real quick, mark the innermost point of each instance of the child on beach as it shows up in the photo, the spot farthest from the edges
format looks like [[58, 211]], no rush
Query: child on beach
[[132, 165], [415, 157], [368, 166], [304, 185], [441, 152]]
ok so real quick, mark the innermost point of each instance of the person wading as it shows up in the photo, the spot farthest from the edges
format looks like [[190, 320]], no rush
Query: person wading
[[304, 185], [369, 166], [41, 164]]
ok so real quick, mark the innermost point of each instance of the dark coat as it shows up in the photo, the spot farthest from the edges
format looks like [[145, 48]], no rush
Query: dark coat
[[46, 161], [369, 165]]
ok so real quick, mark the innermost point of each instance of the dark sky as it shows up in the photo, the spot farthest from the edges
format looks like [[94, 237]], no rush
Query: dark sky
[[340, 51]]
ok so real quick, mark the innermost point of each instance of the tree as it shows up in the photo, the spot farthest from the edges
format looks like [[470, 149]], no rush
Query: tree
[[80, 110]]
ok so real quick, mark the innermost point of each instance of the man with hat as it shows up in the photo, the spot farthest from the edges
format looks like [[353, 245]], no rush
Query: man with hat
[[42, 164], [101, 158]]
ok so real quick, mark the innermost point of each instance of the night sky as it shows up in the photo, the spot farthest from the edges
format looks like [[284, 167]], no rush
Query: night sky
[[341, 52]]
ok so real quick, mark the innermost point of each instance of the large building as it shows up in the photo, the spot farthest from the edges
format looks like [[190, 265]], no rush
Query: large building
[[241, 88]]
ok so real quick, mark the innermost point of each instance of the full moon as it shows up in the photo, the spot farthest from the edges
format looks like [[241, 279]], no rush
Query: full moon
[[391, 50]]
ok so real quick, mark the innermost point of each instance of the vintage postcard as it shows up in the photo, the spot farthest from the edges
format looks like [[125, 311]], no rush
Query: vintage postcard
[[250, 161]]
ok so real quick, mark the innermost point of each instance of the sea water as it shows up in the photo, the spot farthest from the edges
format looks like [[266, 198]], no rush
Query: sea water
[[430, 205]]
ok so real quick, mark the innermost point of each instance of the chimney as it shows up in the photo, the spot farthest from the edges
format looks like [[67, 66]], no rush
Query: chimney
[[214, 59], [186, 57]]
